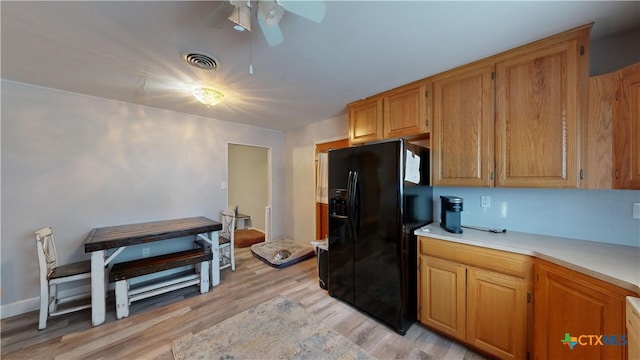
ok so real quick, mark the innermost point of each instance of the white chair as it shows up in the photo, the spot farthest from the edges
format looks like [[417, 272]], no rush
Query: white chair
[[52, 274], [226, 240]]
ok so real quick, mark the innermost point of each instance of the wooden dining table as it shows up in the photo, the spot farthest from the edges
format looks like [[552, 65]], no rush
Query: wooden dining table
[[106, 243]]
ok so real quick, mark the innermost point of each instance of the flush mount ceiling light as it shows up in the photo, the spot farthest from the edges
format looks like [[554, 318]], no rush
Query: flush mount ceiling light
[[207, 96]]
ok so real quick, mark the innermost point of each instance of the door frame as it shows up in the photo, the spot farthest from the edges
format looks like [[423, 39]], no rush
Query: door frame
[[268, 227], [322, 209]]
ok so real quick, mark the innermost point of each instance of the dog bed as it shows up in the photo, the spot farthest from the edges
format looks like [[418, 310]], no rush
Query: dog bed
[[246, 238], [282, 253]]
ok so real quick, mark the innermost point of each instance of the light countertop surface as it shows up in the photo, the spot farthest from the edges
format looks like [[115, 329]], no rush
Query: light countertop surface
[[616, 264]]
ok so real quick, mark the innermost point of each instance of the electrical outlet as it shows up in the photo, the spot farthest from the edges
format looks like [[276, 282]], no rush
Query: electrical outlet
[[485, 201], [145, 252], [636, 210]]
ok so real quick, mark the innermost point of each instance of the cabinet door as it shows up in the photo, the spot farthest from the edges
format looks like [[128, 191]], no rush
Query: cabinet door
[[442, 295], [405, 111], [462, 131], [496, 313], [538, 106], [626, 141], [602, 103], [365, 120], [569, 307]]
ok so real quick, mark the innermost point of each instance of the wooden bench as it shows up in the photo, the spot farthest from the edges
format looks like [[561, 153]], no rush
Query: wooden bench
[[122, 272]]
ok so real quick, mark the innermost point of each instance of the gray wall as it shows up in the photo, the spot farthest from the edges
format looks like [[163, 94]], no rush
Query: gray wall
[[76, 162], [614, 53]]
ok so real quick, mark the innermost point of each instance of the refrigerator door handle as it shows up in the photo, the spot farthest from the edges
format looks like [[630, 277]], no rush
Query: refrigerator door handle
[[354, 213], [349, 192]]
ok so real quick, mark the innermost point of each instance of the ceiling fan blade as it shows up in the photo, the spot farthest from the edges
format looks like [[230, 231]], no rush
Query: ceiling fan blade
[[310, 10], [218, 18], [272, 34]]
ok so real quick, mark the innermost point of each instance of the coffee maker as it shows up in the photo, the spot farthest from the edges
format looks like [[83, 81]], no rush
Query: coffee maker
[[451, 208]]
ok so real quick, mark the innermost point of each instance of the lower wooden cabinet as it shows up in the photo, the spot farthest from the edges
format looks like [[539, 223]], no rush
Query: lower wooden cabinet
[[443, 296], [476, 295], [574, 313], [497, 313]]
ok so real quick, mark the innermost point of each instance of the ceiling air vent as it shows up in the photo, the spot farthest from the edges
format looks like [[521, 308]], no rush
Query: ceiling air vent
[[201, 61]]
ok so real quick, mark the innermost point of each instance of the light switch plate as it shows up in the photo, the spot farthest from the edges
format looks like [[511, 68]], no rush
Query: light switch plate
[[636, 210]]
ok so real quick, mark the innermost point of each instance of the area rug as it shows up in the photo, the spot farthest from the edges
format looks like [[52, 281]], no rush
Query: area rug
[[282, 253], [276, 329], [247, 237]]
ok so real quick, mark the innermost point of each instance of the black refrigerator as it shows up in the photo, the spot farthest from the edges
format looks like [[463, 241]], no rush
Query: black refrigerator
[[379, 194]]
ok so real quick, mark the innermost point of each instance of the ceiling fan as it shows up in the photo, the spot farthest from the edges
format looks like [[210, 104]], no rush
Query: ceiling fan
[[268, 14]]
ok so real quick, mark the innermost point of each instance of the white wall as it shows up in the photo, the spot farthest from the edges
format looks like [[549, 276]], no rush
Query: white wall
[[300, 178], [76, 162]]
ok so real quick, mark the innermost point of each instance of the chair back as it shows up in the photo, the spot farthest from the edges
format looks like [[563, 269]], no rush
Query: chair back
[[47, 254], [228, 223]]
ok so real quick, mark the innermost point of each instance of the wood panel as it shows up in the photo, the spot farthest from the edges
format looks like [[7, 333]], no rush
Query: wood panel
[[462, 131], [443, 296], [602, 102], [131, 234], [497, 313], [627, 130], [365, 120], [405, 111], [496, 260], [568, 302], [537, 117]]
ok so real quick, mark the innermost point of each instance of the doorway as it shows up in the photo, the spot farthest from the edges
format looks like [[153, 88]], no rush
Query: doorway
[[249, 182], [322, 208]]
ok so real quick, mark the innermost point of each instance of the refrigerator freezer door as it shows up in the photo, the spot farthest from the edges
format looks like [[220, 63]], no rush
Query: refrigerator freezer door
[[340, 256]]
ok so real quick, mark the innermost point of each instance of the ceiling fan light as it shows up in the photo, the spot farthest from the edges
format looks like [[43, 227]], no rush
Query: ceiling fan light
[[242, 17], [271, 11], [207, 96]]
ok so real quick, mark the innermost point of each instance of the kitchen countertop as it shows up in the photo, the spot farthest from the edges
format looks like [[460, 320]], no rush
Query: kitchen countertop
[[615, 264]]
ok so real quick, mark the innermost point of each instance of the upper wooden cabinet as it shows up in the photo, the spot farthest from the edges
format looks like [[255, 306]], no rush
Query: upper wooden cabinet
[[613, 130], [401, 112], [463, 131], [405, 110], [626, 130], [602, 103], [532, 137], [365, 120], [540, 97]]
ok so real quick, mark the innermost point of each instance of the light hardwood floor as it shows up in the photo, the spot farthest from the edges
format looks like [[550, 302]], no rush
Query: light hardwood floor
[[154, 323]]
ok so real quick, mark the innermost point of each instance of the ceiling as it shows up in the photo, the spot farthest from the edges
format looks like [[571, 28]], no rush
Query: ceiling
[[131, 51]]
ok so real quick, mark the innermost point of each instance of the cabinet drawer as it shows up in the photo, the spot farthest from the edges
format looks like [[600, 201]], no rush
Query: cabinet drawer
[[501, 261]]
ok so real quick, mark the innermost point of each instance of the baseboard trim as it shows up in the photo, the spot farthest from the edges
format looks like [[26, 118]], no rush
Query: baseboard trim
[[33, 304], [19, 307]]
